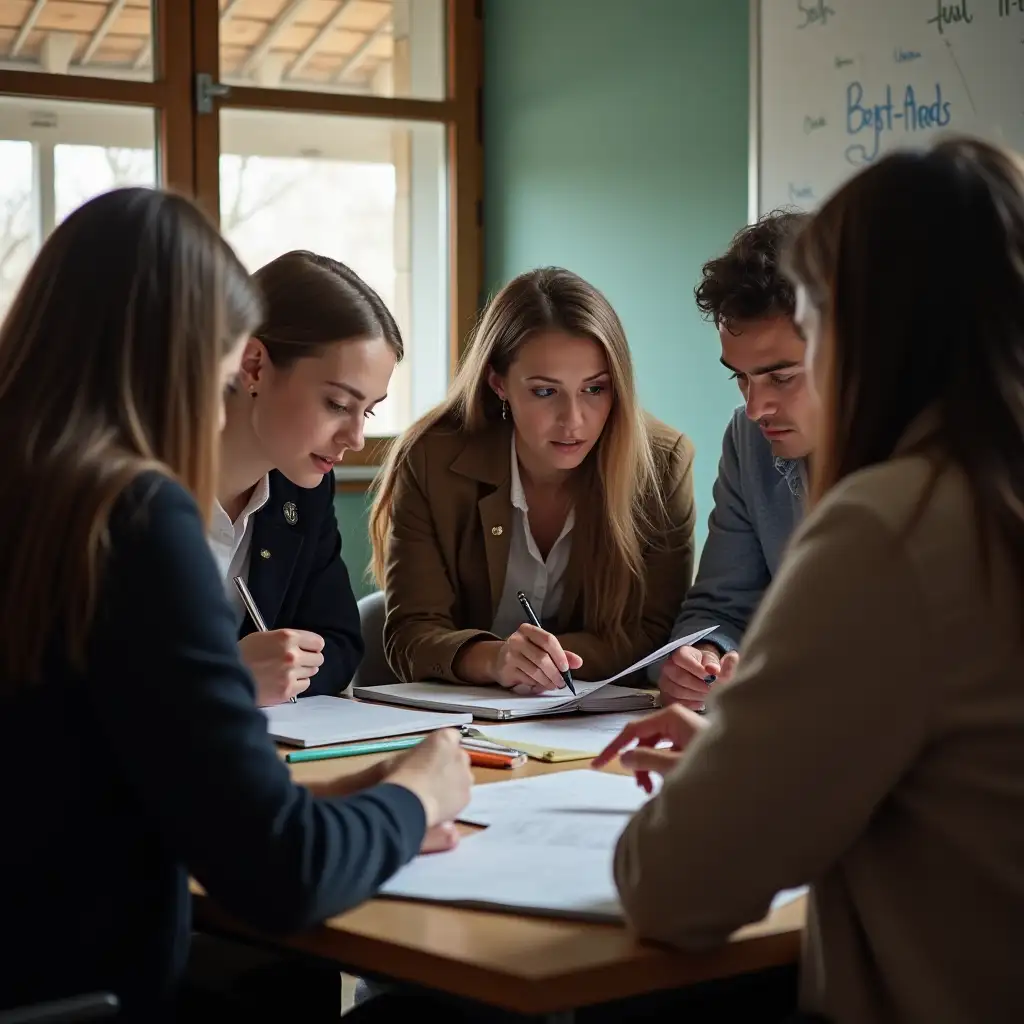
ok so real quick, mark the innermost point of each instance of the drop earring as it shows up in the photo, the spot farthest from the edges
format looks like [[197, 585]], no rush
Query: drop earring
[[504, 409], [252, 392]]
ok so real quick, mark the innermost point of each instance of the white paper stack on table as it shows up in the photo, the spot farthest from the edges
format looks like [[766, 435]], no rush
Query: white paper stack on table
[[489, 702], [547, 850], [317, 721]]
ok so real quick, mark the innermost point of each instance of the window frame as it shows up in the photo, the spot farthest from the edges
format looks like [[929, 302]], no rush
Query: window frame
[[188, 142]]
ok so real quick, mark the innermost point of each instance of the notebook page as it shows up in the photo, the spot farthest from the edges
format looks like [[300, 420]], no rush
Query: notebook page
[[520, 865], [581, 791], [493, 698], [672, 645], [319, 720], [438, 694]]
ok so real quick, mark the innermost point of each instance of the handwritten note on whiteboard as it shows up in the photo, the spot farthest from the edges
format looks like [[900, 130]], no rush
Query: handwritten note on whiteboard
[[842, 82]]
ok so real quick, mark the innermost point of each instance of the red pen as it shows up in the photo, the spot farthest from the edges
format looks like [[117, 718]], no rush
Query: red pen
[[486, 759]]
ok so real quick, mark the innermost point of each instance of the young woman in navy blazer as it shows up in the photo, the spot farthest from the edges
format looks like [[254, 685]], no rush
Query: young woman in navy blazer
[[310, 376], [120, 681]]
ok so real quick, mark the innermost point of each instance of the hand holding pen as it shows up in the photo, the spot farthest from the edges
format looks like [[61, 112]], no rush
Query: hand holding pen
[[532, 661], [281, 660]]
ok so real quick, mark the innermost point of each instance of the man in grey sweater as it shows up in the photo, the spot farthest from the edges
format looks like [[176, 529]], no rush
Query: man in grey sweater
[[762, 473]]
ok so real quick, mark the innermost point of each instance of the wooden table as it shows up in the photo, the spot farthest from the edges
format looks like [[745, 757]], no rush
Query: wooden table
[[530, 965]]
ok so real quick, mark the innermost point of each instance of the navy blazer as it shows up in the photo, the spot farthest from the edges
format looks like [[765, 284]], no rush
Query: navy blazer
[[154, 763], [299, 581]]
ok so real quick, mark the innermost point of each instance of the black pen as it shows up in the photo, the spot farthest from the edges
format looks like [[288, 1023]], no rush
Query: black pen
[[566, 675]]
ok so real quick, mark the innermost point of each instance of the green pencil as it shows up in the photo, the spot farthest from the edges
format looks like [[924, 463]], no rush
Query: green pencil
[[352, 749]]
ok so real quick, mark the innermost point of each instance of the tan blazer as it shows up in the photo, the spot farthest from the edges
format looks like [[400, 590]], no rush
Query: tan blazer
[[449, 549], [871, 744]]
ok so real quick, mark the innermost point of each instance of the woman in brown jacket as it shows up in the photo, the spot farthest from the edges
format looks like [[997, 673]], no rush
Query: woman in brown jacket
[[539, 473]]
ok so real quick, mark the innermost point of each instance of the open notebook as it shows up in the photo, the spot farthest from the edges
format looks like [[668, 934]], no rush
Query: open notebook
[[319, 720], [492, 702]]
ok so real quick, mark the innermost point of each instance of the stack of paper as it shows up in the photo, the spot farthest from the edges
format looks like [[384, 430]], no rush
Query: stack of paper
[[548, 849]]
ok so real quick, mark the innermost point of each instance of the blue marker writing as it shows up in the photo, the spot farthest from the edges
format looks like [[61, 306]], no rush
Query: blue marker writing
[[878, 119]]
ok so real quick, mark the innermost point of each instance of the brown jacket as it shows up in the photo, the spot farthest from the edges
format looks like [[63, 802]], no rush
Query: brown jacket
[[449, 549], [871, 744]]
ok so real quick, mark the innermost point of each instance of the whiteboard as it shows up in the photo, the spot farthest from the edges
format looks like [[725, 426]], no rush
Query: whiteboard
[[837, 83]]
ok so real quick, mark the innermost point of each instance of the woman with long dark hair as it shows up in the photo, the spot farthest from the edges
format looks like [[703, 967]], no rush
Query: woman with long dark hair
[[871, 743]]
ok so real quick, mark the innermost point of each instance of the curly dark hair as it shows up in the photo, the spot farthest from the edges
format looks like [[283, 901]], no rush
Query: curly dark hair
[[746, 282]]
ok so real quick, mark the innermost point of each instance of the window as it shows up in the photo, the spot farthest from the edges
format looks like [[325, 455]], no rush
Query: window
[[56, 155], [369, 192], [344, 126], [17, 220]]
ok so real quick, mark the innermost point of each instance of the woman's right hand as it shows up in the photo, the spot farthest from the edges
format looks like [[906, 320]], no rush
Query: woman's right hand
[[437, 771], [531, 660], [281, 662]]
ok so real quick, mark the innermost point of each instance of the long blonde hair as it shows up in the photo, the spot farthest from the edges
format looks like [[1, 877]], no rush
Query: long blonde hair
[[109, 365], [631, 509]]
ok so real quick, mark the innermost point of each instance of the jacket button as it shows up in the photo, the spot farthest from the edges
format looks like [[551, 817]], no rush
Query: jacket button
[[497, 531]]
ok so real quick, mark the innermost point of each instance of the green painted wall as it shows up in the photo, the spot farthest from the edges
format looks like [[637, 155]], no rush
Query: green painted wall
[[355, 541], [615, 141]]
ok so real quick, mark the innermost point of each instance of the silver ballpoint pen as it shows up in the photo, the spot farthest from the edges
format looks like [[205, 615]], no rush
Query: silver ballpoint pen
[[250, 607]]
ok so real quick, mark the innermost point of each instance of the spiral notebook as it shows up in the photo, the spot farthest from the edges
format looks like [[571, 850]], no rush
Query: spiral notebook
[[494, 703]]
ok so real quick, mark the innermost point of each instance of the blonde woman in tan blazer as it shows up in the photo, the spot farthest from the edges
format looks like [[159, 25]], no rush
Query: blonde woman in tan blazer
[[888, 776], [539, 473]]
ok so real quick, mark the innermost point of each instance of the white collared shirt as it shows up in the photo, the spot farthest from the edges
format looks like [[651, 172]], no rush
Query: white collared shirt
[[542, 580], [231, 542]]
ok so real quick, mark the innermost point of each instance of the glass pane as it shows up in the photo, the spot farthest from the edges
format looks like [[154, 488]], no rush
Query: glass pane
[[369, 47], [100, 38], [54, 156], [17, 241], [371, 193]]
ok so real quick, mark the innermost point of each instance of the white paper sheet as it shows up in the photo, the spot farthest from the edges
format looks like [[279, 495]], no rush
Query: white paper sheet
[[319, 720], [559, 865], [668, 648], [586, 734], [592, 793]]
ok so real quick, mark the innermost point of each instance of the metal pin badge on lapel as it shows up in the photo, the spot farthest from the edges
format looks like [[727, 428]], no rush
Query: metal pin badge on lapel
[[291, 513], [497, 531], [264, 553]]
